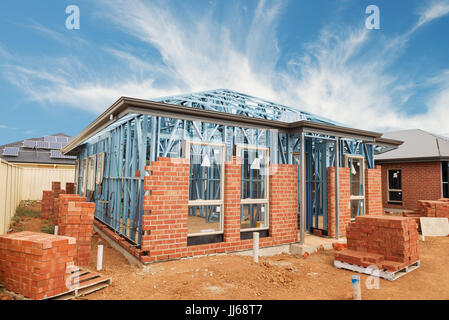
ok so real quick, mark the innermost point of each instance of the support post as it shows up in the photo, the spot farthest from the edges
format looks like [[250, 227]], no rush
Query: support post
[[256, 246], [337, 187], [303, 188], [56, 230]]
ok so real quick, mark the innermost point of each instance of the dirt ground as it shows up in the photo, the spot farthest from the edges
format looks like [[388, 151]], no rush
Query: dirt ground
[[283, 277]]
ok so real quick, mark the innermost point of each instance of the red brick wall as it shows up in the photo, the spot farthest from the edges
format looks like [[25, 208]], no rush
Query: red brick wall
[[373, 191], [166, 210], [373, 197], [284, 203], [420, 181], [344, 196], [232, 195]]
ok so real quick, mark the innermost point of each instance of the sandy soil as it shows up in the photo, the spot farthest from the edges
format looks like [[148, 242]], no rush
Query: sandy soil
[[279, 277], [26, 223]]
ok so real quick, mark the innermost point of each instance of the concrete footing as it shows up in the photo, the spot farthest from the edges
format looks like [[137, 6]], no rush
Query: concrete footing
[[131, 259]]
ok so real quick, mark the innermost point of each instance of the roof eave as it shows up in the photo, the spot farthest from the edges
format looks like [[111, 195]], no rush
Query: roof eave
[[416, 159], [126, 105]]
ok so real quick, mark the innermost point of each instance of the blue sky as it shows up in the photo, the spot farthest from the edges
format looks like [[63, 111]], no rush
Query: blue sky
[[316, 56]]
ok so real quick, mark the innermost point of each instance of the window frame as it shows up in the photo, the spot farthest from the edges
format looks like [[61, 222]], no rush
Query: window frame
[[363, 181], [444, 184], [100, 168], [220, 202], [264, 201], [394, 190], [84, 176], [91, 173]]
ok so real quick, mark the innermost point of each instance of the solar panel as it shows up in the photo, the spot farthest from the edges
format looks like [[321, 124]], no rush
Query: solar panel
[[56, 154], [42, 145], [11, 151], [61, 139], [55, 145], [50, 139], [29, 144]]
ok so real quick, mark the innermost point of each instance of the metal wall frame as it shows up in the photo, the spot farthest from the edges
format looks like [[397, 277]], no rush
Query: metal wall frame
[[196, 180], [135, 140]]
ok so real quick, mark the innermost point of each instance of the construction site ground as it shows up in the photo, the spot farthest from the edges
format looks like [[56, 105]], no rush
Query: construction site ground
[[283, 277]]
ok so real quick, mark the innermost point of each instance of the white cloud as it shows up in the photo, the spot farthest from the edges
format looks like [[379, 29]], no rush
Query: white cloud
[[7, 127], [335, 77], [436, 10]]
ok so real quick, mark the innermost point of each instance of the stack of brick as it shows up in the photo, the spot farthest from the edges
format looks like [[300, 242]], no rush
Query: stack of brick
[[47, 204], [56, 191], [390, 243], [436, 208], [35, 264], [70, 188], [75, 219]]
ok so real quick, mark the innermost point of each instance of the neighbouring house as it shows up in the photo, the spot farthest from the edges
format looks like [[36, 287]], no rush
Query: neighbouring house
[[417, 170], [42, 162], [200, 173]]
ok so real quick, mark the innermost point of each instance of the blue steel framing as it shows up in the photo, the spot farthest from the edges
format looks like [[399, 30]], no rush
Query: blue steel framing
[[135, 140]]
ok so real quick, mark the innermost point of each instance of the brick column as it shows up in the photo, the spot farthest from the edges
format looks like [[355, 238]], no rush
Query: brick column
[[165, 206], [373, 191], [232, 195], [345, 203], [283, 203]]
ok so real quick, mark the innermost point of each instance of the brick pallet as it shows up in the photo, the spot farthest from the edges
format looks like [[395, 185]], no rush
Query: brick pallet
[[75, 219], [389, 243], [34, 264], [438, 208], [429, 209]]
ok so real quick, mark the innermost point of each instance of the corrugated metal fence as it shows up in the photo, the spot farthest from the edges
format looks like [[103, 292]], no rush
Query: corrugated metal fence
[[10, 193], [22, 183], [35, 180]]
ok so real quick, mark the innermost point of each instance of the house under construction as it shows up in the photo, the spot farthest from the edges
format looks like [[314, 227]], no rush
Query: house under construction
[[199, 173]]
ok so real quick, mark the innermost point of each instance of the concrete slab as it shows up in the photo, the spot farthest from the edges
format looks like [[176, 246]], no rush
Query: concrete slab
[[434, 227]]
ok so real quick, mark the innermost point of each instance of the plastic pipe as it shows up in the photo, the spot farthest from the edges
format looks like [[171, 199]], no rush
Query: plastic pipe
[[356, 290], [100, 257], [256, 246]]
